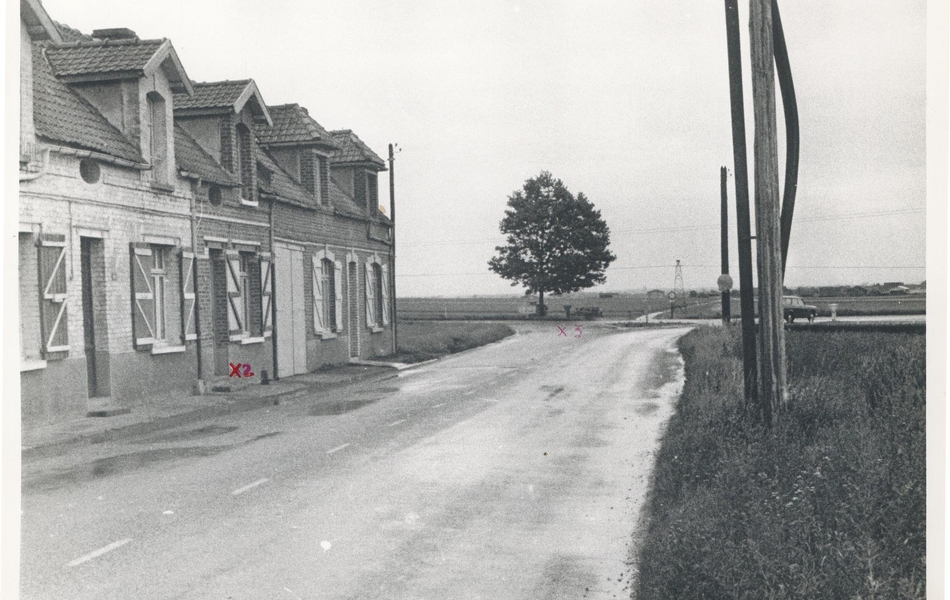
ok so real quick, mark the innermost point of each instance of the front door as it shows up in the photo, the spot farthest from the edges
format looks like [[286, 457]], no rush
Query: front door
[[88, 315], [95, 328], [291, 316], [219, 312]]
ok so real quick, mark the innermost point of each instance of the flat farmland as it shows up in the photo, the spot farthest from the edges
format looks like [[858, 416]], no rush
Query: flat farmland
[[619, 306], [848, 306]]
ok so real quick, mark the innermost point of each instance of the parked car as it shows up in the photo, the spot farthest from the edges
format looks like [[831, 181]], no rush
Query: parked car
[[793, 307]]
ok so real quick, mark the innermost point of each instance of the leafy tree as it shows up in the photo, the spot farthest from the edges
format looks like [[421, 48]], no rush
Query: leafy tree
[[556, 243]]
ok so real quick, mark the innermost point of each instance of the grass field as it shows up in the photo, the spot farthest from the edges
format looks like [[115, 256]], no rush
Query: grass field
[[829, 504], [620, 306], [424, 340], [631, 306], [847, 307]]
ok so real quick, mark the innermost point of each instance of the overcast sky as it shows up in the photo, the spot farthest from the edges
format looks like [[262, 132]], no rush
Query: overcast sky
[[627, 101]]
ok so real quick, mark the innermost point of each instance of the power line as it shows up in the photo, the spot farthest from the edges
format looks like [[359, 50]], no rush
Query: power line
[[819, 267]]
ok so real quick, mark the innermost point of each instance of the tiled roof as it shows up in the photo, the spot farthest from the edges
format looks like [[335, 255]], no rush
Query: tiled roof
[[216, 94], [192, 158], [106, 56], [62, 116], [342, 201], [282, 184], [292, 123], [353, 150]]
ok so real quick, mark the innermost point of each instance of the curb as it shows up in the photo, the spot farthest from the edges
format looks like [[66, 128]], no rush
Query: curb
[[45, 450]]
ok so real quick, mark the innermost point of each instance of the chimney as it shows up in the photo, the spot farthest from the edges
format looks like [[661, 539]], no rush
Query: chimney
[[116, 33]]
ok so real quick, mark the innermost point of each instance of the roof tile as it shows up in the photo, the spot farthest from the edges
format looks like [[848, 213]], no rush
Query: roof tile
[[192, 158], [216, 94], [292, 123], [107, 56], [61, 115], [353, 150]]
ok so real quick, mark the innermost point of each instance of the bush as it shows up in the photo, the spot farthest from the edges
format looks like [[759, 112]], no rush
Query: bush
[[829, 504]]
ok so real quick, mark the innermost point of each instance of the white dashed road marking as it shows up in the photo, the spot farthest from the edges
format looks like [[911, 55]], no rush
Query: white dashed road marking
[[241, 490], [98, 553], [337, 449], [393, 424], [438, 405]]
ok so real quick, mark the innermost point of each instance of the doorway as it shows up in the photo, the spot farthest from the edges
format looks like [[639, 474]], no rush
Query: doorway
[[353, 308], [219, 312], [291, 311], [95, 327]]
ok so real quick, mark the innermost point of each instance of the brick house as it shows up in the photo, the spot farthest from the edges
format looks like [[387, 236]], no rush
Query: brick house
[[168, 228], [336, 247]]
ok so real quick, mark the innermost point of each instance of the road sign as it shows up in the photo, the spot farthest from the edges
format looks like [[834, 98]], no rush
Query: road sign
[[724, 282], [671, 295]]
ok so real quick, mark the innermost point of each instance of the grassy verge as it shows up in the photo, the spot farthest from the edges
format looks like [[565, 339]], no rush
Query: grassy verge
[[830, 504], [424, 340]]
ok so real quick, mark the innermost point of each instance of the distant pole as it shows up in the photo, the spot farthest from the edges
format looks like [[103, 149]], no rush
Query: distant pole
[[724, 239], [392, 252], [743, 226], [767, 206]]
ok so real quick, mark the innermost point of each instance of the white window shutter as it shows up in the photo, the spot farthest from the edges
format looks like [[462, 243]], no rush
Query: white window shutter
[[235, 298], [338, 287], [316, 270], [53, 295], [385, 315], [143, 298], [370, 296], [266, 297], [188, 329]]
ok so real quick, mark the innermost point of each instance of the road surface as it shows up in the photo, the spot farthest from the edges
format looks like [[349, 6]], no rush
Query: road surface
[[517, 470]]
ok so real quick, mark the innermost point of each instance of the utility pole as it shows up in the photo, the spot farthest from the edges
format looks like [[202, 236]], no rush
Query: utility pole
[[767, 206], [392, 250], [724, 239], [743, 226], [678, 288]]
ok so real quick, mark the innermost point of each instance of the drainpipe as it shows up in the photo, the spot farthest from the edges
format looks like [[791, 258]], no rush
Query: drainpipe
[[273, 294], [194, 275]]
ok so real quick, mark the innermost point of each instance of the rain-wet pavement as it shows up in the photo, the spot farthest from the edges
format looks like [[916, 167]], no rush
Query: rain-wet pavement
[[513, 471]]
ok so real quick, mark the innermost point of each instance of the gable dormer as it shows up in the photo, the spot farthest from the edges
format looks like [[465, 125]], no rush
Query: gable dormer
[[132, 83], [221, 116], [301, 146], [354, 167]]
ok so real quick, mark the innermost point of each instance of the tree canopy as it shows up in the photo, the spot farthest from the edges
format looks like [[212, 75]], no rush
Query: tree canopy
[[557, 242]]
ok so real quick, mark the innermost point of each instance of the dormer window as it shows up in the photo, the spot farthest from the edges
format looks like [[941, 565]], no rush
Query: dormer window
[[156, 136], [245, 162]]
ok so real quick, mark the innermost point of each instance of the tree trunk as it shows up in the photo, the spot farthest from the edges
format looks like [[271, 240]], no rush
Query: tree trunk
[[542, 309]]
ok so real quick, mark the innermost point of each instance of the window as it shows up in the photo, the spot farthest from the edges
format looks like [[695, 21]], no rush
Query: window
[[89, 170], [157, 138], [158, 290], [329, 294], [377, 294], [245, 162], [158, 296], [214, 195], [245, 293]]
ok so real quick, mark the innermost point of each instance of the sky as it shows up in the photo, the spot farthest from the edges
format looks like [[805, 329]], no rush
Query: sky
[[626, 101]]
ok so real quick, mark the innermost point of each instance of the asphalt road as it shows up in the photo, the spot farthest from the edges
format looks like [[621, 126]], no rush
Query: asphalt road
[[517, 470]]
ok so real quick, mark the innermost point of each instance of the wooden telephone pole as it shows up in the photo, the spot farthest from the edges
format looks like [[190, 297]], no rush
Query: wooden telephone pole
[[772, 374], [392, 253]]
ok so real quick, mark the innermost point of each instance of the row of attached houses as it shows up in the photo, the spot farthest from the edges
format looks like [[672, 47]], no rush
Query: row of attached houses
[[169, 229]]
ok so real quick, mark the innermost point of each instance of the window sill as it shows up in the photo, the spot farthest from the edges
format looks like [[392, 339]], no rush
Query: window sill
[[249, 340], [326, 335], [163, 188], [32, 364], [376, 330], [249, 203], [167, 349]]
